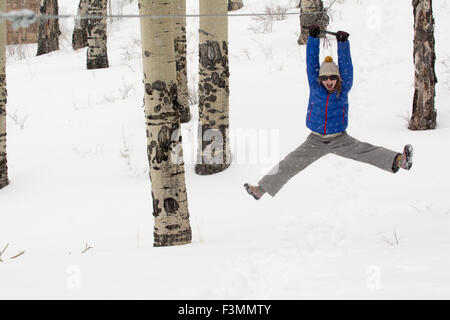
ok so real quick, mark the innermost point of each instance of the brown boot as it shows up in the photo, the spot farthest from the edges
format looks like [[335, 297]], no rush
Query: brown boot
[[256, 191], [405, 160]]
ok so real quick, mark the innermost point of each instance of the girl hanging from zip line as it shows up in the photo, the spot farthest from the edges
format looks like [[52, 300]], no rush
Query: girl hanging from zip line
[[327, 118]]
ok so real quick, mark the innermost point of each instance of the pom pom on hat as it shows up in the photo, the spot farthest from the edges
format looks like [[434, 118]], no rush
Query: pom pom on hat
[[329, 67]]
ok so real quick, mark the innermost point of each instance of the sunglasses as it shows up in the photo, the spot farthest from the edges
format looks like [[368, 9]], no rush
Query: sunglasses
[[332, 77]]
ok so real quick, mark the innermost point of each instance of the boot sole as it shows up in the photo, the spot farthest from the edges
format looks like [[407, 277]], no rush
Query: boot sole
[[409, 152]]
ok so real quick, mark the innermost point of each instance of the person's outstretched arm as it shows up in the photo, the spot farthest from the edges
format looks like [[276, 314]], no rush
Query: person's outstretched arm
[[312, 55], [345, 60]]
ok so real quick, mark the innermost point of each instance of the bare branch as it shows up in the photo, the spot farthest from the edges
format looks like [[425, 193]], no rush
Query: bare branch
[[1, 252], [394, 242], [87, 248], [389, 242], [17, 255], [395, 235]]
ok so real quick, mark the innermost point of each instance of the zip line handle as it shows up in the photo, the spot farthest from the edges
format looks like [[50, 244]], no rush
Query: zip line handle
[[323, 31]]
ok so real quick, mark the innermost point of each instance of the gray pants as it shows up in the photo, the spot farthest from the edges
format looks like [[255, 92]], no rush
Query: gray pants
[[316, 147]]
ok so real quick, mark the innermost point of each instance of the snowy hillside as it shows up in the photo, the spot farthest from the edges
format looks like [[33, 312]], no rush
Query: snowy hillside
[[340, 229]]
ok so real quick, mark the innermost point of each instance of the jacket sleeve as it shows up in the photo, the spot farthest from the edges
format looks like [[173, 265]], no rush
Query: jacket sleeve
[[345, 65], [312, 60]]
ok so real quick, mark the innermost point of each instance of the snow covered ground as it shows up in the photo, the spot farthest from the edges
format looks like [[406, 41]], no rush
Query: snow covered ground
[[340, 229]]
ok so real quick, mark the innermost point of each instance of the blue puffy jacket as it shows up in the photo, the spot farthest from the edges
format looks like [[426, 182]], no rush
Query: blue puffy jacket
[[328, 112]]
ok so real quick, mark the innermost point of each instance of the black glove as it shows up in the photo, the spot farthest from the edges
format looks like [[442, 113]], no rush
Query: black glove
[[314, 31], [342, 36]]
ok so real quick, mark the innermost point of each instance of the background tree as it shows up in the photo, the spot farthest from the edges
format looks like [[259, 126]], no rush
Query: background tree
[[3, 160], [424, 112], [164, 145], [213, 140], [79, 36], [179, 29], [311, 13], [48, 38], [234, 5], [97, 53]]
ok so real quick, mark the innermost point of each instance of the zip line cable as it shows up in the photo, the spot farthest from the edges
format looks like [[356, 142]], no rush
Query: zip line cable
[[330, 5], [26, 17]]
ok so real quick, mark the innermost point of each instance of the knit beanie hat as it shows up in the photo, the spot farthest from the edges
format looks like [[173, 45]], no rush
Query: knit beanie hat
[[329, 67]]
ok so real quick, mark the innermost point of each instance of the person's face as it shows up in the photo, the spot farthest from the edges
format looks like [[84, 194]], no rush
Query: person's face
[[329, 81]]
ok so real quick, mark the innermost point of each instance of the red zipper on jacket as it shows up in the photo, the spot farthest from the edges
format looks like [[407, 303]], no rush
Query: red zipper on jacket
[[326, 115], [343, 114], [310, 110]]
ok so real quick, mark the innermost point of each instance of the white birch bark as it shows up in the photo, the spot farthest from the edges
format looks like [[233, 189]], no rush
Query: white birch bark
[[179, 11], [234, 5], [164, 145], [213, 145], [79, 36], [311, 13], [97, 53], [48, 37], [3, 159], [424, 113]]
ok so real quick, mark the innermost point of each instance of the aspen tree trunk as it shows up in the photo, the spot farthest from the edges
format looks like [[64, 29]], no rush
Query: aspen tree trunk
[[79, 36], [213, 144], [311, 13], [164, 145], [234, 5], [179, 10], [48, 38], [424, 113], [3, 161], [97, 53]]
